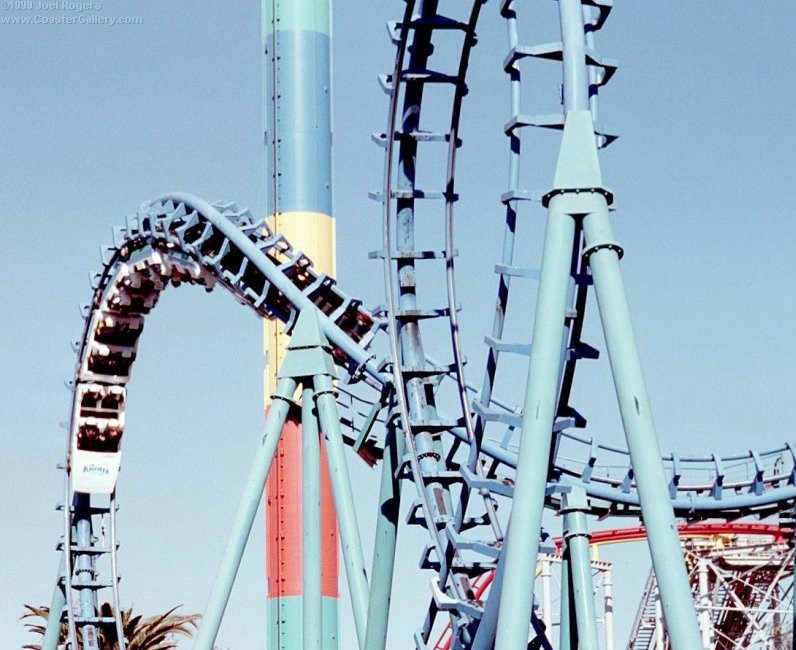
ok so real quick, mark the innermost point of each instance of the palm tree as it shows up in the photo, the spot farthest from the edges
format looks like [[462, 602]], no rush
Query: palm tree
[[150, 633]]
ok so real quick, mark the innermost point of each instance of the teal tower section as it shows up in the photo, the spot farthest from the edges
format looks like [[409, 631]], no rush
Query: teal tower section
[[298, 139]]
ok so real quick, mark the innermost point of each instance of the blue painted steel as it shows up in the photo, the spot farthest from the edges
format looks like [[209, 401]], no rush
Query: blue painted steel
[[52, 631], [576, 76], [567, 633], [384, 541], [522, 540], [656, 507], [312, 616], [344, 502], [487, 628], [364, 360], [574, 507], [85, 574], [291, 609], [299, 127], [696, 499], [241, 527]]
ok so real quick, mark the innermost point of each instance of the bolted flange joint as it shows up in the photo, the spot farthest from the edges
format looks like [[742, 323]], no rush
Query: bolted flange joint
[[608, 194]]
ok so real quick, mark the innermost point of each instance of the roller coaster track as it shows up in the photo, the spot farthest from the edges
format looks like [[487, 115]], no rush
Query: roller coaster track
[[180, 239]]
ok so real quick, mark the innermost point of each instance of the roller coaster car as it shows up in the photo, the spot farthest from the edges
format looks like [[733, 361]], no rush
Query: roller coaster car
[[96, 442], [96, 458]]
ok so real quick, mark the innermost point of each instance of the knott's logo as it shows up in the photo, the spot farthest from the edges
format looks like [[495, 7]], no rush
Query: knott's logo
[[95, 469]]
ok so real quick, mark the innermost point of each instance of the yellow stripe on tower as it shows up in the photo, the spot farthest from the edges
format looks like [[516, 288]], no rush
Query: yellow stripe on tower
[[312, 233]]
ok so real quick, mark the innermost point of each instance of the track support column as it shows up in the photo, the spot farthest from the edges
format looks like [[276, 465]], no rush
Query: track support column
[[603, 254], [312, 614], [567, 635], [241, 527], [384, 543], [522, 540], [574, 506], [52, 632], [343, 502]]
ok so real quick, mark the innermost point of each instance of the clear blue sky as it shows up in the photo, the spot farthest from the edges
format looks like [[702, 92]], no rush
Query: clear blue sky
[[97, 119]]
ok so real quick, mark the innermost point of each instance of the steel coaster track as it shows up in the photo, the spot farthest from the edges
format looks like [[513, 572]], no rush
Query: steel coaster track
[[764, 483], [415, 380], [179, 239]]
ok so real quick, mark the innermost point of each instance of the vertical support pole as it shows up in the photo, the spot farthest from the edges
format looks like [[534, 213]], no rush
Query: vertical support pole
[[573, 39], [84, 570], [547, 600], [522, 540], [579, 172], [608, 592], [384, 544], [344, 502], [241, 527], [568, 633], [485, 636], [312, 612], [298, 137], [574, 507], [52, 632]]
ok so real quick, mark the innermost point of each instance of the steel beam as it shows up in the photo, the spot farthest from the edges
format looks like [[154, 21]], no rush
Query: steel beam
[[568, 634], [642, 441], [241, 527], [574, 507], [385, 539], [312, 614], [344, 502], [52, 632], [522, 540]]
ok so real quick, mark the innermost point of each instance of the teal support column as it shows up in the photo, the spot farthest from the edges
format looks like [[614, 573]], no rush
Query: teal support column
[[241, 527], [343, 502], [576, 535], [312, 623], [590, 200], [52, 632], [384, 543], [567, 636], [298, 140], [522, 540], [485, 636]]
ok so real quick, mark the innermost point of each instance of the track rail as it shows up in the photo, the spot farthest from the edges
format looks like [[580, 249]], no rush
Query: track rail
[[181, 239], [174, 240], [750, 483]]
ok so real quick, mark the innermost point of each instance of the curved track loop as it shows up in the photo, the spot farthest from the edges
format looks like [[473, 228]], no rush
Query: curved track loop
[[415, 380], [180, 239], [750, 483]]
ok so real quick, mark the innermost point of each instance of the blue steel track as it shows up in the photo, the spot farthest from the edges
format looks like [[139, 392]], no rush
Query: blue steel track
[[461, 463]]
